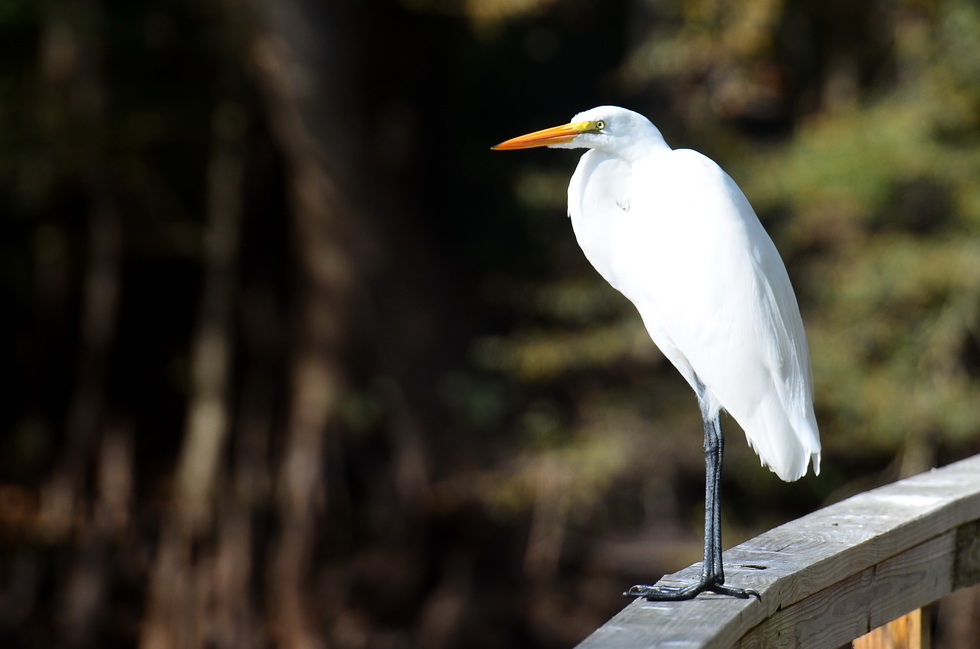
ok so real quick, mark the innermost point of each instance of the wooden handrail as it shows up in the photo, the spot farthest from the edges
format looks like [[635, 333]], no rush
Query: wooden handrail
[[829, 577]]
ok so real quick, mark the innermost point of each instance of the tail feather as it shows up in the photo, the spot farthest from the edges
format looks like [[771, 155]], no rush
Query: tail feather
[[785, 443]]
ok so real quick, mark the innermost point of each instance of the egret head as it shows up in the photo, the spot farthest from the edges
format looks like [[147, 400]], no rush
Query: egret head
[[609, 129]]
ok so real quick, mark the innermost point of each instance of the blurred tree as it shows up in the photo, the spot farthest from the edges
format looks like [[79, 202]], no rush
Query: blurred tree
[[293, 360]]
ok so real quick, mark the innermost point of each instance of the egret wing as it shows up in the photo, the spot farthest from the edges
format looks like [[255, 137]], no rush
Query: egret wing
[[714, 294]]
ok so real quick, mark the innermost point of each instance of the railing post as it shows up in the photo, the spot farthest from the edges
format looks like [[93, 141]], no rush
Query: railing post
[[906, 632]]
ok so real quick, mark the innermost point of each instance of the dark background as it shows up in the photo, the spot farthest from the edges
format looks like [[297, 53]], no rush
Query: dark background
[[292, 359]]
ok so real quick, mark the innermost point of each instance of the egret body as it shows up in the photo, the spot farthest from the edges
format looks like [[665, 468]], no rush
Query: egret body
[[673, 233]]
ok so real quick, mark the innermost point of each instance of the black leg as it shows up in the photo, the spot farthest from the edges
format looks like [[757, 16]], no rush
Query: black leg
[[712, 570]]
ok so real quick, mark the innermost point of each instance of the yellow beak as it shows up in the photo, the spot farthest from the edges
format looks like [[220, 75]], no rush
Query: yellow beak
[[553, 135]]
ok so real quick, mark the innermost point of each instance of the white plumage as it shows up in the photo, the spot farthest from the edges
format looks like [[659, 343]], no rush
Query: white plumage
[[675, 234]]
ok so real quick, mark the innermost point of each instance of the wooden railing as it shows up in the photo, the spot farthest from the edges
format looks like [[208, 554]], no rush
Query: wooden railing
[[828, 578]]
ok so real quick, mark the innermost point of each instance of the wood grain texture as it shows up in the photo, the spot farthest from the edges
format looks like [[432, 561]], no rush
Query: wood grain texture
[[829, 577]]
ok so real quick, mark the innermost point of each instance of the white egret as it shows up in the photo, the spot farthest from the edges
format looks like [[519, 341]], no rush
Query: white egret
[[673, 233]]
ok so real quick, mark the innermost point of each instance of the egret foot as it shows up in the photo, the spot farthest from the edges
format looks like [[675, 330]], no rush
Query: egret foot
[[677, 593]]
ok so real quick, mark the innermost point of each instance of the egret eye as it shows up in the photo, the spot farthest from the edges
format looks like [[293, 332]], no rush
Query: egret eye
[[599, 125]]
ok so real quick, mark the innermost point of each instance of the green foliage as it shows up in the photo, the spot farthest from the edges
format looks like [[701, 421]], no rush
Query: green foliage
[[871, 195], [883, 196]]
